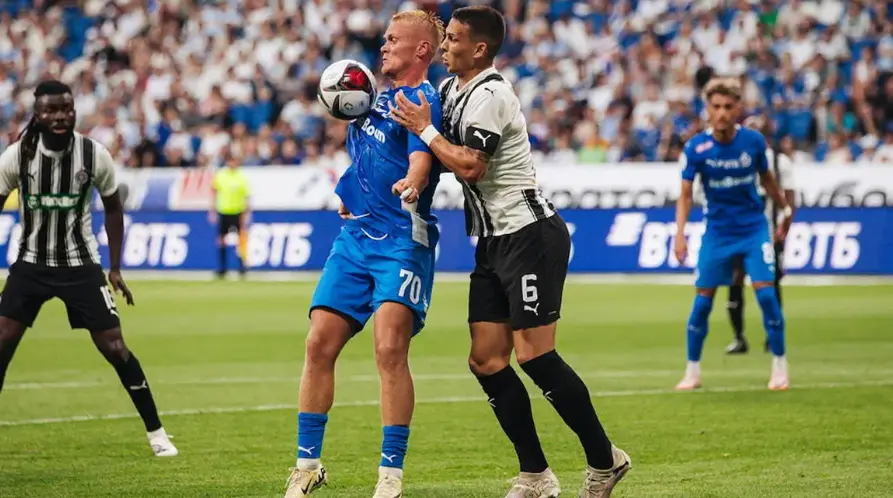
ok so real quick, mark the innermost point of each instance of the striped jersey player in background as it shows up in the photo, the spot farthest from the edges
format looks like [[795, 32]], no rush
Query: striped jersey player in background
[[727, 159], [521, 257], [782, 166], [55, 170]]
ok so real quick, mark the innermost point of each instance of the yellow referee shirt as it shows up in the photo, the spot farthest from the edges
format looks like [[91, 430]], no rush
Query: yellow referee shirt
[[231, 186]]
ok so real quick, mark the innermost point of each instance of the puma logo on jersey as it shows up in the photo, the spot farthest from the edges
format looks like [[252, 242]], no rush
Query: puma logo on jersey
[[534, 309], [481, 136]]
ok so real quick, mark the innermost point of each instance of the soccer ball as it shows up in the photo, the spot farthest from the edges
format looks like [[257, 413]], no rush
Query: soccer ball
[[347, 89]]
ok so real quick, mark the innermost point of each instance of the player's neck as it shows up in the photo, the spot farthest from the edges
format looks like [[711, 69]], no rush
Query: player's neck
[[56, 143], [466, 77], [725, 136], [412, 77]]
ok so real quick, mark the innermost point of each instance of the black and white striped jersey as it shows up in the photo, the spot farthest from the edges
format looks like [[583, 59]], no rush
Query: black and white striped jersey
[[784, 175], [485, 115], [54, 200]]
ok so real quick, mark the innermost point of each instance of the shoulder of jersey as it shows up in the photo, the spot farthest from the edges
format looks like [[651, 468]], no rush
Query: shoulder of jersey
[[444, 83], [429, 90], [700, 143], [752, 134]]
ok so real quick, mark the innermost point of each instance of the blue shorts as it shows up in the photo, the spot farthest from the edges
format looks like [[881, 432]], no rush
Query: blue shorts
[[365, 269], [720, 253]]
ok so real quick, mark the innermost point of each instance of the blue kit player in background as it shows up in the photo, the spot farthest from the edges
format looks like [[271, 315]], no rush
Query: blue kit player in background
[[381, 263], [728, 160]]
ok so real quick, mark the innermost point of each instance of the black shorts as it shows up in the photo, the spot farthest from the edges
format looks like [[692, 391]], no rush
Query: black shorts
[[229, 223], [519, 278], [89, 301]]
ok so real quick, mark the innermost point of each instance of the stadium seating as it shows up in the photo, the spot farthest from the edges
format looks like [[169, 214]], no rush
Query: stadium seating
[[178, 83]]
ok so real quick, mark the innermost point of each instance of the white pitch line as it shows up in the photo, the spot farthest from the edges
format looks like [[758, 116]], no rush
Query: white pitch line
[[433, 401], [608, 374]]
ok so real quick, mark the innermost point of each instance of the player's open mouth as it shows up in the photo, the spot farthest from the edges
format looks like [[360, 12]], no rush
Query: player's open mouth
[[59, 129]]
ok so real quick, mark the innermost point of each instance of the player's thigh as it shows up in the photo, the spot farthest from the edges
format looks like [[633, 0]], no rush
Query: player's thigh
[[403, 275], [533, 268], [716, 263], [23, 294], [227, 223], [759, 260], [89, 300], [345, 286], [491, 347], [487, 298]]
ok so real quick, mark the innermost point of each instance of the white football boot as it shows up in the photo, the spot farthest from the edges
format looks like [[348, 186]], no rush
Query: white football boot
[[389, 486], [303, 482], [600, 483], [541, 485], [161, 443], [779, 380], [692, 378]]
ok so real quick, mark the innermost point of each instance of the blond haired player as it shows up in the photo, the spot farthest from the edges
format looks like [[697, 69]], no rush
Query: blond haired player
[[381, 263]]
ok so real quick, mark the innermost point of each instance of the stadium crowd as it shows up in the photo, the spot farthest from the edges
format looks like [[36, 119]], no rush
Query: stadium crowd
[[189, 82]]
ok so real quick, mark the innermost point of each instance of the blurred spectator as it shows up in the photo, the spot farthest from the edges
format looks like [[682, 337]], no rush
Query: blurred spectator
[[179, 83]]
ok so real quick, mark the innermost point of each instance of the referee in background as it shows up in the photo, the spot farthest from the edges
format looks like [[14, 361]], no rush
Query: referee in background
[[230, 210]]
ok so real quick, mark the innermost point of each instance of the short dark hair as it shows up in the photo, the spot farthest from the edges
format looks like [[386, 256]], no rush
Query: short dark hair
[[485, 24], [51, 87]]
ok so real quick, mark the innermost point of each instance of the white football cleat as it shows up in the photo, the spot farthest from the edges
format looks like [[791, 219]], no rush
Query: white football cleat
[[303, 482], [161, 444], [692, 378], [600, 483], [541, 485], [779, 380], [389, 486]]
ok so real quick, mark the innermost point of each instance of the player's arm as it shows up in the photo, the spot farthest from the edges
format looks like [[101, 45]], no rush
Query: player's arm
[[468, 162], [212, 207], [416, 180], [786, 167], [9, 173], [767, 180], [683, 205], [114, 217]]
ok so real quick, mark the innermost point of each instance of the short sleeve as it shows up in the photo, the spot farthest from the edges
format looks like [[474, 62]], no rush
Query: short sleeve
[[486, 118], [104, 174], [414, 143], [9, 169], [786, 172], [761, 158], [689, 169]]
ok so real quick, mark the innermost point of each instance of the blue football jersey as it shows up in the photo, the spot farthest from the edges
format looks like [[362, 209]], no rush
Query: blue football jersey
[[729, 174], [379, 149]]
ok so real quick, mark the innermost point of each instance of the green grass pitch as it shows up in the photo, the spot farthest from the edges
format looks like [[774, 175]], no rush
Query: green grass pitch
[[224, 359]]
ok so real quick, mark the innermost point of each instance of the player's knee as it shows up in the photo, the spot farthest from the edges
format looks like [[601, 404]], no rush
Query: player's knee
[[322, 348], [481, 364], [10, 330], [111, 344], [391, 354]]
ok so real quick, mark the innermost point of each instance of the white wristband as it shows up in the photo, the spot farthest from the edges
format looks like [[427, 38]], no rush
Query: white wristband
[[787, 212], [429, 134]]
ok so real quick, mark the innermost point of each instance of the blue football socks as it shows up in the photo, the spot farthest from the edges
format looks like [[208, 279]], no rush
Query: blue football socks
[[773, 319], [393, 446], [697, 326], [311, 430]]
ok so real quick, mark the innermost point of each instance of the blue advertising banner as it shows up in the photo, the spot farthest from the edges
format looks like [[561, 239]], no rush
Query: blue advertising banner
[[821, 241]]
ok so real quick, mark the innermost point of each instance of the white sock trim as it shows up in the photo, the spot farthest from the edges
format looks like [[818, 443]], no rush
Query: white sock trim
[[308, 463], [390, 471]]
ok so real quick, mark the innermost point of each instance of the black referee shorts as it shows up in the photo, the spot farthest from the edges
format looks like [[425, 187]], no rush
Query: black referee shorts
[[228, 223], [519, 277], [88, 299]]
